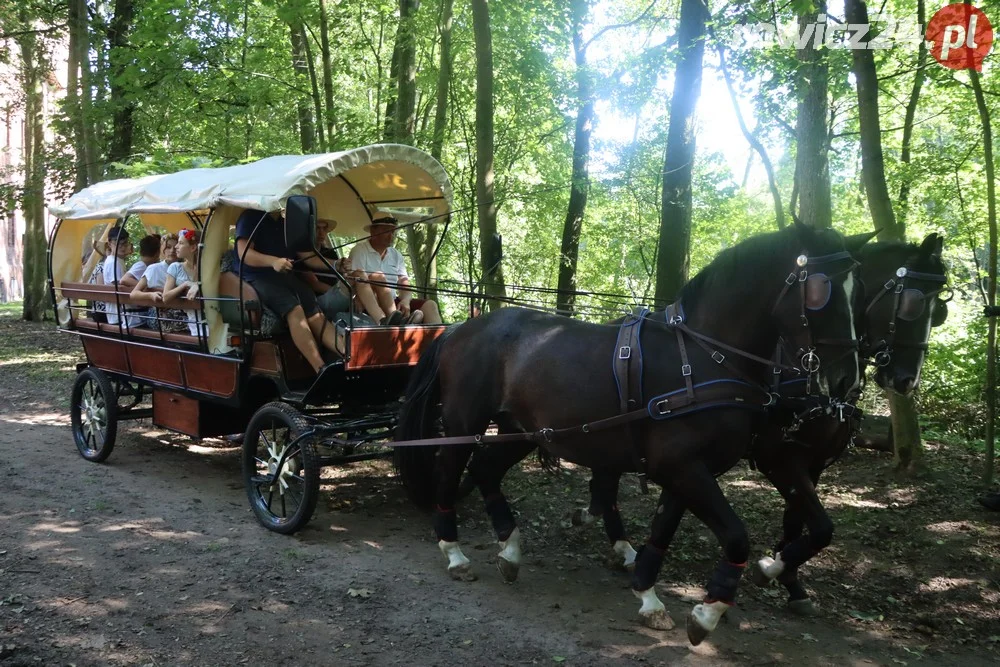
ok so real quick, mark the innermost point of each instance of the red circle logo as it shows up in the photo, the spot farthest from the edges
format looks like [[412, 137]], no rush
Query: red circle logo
[[959, 36]]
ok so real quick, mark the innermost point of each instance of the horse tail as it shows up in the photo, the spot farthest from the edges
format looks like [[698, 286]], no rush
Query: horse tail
[[418, 418]]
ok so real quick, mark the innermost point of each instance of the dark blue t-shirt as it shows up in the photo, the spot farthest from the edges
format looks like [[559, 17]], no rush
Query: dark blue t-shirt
[[268, 239]]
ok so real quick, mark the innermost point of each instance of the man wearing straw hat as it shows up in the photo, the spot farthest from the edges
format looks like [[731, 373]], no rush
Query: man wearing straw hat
[[385, 265]]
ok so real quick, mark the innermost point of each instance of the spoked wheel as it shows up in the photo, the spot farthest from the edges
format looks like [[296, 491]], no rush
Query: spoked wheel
[[280, 469], [94, 414]]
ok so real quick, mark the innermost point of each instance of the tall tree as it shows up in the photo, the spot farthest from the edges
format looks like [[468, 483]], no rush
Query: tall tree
[[300, 65], [444, 78], [73, 90], [908, 450], [492, 269], [86, 134], [812, 168], [324, 36], [991, 294], [33, 75], [908, 122], [122, 98], [674, 251], [570, 249]]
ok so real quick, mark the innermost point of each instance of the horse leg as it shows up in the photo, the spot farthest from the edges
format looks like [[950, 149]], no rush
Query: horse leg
[[451, 462], [802, 509], [604, 503], [697, 488], [488, 468], [648, 561]]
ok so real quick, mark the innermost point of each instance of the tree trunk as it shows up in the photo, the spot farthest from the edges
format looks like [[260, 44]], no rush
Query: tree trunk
[[34, 264], [911, 111], [812, 169], [492, 269], [905, 427], [573, 225], [991, 295], [391, 91], [404, 119], [444, 77], [324, 36], [122, 102], [307, 131], [88, 136], [673, 254], [73, 92], [317, 104], [872, 164]]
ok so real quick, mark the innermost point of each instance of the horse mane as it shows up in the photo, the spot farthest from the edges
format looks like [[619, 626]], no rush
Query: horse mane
[[901, 252], [733, 265]]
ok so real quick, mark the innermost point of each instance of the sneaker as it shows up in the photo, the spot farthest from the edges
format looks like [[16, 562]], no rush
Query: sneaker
[[415, 317], [393, 319]]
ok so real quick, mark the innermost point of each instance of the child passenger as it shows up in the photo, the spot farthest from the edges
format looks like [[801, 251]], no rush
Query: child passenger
[[149, 289], [182, 279]]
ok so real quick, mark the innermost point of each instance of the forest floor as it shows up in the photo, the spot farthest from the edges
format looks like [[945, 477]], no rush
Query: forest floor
[[154, 558]]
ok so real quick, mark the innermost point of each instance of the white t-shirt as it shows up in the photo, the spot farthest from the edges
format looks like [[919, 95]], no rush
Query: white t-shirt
[[181, 276], [392, 265], [155, 275], [137, 270], [114, 268]]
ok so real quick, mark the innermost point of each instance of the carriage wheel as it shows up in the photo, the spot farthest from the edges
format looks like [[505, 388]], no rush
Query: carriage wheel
[[94, 414], [283, 500]]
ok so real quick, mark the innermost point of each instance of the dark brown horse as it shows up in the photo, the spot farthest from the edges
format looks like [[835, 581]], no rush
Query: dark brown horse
[[535, 373]]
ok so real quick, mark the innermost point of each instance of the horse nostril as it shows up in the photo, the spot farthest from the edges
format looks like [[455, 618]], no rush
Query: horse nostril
[[904, 384]]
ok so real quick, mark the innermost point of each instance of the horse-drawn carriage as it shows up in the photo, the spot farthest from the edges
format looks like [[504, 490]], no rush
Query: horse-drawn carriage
[[238, 371]]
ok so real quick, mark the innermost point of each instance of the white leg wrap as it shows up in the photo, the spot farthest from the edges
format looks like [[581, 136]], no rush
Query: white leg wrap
[[625, 550], [771, 567], [510, 550], [707, 614], [650, 603], [454, 554]]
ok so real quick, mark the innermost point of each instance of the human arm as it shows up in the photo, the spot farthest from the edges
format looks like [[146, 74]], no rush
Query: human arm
[[246, 253], [140, 295]]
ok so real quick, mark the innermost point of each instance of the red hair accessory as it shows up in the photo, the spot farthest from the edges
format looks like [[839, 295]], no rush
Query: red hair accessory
[[188, 235]]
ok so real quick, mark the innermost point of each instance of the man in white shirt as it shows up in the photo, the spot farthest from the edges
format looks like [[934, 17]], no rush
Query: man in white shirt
[[384, 264]]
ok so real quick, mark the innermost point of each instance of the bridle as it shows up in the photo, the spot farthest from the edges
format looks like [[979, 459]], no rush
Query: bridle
[[907, 305], [815, 289]]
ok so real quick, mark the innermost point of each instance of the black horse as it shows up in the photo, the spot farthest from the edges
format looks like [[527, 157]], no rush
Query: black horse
[[901, 283], [552, 377]]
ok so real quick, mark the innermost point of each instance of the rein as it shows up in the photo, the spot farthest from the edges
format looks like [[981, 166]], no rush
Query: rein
[[881, 352]]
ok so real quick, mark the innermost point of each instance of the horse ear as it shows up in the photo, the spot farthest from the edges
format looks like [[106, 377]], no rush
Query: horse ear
[[932, 245], [805, 232], [855, 242]]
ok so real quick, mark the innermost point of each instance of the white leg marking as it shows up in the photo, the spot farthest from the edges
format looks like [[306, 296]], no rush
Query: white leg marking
[[707, 614], [652, 613], [510, 550], [454, 553], [771, 567], [625, 550], [583, 517]]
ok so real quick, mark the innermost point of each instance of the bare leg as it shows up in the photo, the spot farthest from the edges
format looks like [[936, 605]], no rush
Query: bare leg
[[382, 293], [367, 296], [303, 337], [325, 332], [432, 315]]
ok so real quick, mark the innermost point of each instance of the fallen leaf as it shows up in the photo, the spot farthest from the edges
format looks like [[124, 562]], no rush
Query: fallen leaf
[[359, 593], [558, 658]]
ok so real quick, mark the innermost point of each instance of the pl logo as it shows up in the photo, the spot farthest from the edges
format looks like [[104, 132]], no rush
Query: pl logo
[[960, 36]]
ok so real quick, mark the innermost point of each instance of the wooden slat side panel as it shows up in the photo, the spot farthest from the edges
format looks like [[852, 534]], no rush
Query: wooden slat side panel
[[264, 358], [377, 347], [212, 376], [161, 365], [106, 354]]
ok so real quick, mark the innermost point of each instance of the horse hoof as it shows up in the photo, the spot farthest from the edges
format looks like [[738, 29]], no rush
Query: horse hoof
[[507, 569], [803, 607], [578, 518], [696, 632], [758, 577], [658, 619], [462, 573]]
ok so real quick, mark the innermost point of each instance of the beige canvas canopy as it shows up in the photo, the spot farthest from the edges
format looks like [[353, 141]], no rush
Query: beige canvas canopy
[[349, 187]]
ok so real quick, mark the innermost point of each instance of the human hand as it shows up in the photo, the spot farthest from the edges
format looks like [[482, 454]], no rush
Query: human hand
[[404, 307], [192, 292], [281, 264], [157, 297], [344, 265]]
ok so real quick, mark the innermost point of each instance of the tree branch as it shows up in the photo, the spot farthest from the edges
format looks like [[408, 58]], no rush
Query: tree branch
[[616, 26], [39, 31]]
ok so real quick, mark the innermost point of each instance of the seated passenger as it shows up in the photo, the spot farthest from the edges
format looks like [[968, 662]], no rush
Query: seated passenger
[[150, 289], [149, 253], [266, 263], [182, 283], [333, 296], [118, 248], [384, 264]]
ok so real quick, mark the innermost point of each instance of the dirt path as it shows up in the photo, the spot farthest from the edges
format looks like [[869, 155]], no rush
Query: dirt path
[[155, 558]]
